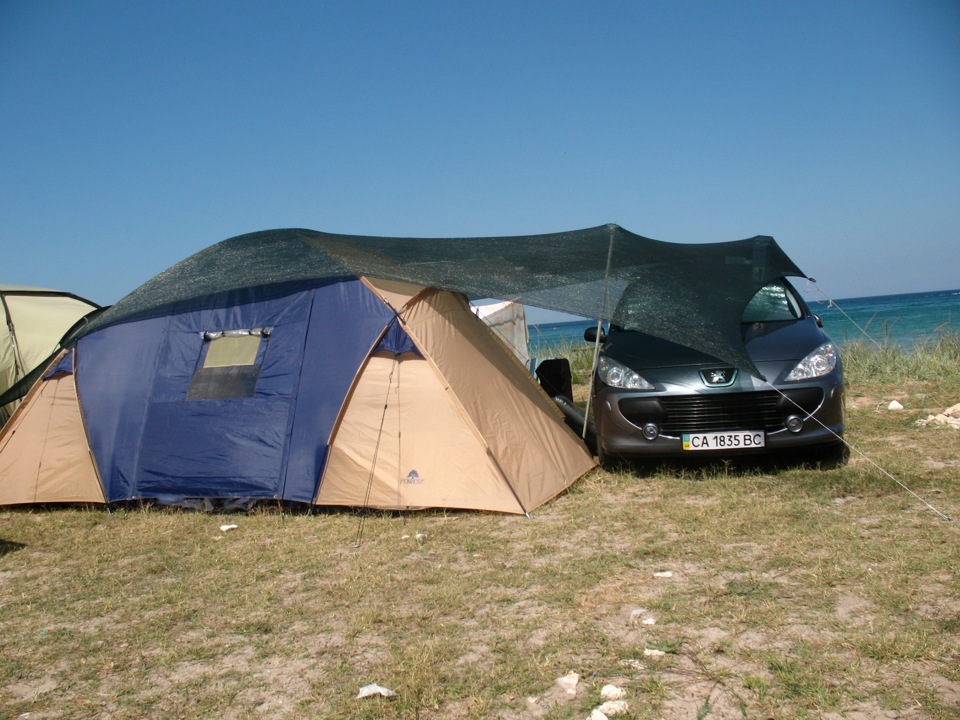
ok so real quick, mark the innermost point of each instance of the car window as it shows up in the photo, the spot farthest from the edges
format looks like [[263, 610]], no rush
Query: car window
[[773, 302]]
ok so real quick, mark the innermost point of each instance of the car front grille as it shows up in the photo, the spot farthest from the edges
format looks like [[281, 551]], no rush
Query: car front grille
[[721, 411], [728, 411]]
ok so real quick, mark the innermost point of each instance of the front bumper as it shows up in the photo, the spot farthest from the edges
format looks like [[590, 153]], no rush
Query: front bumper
[[620, 418]]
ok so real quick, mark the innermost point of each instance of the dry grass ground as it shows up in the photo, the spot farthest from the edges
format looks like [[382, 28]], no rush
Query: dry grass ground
[[716, 592]]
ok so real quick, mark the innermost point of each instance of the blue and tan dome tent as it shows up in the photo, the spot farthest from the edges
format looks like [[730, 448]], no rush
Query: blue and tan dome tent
[[352, 392], [312, 367]]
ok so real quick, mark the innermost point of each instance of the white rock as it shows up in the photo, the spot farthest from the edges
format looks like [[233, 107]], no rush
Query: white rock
[[595, 714], [227, 528], [894, 405], [650, 621], [663, 574], [569, 683], [652, 653], [612, 708], [612, 692], [949, 417], [374, 689]]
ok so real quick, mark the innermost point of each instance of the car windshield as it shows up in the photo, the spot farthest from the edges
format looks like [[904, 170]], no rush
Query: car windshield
[[772, 303]]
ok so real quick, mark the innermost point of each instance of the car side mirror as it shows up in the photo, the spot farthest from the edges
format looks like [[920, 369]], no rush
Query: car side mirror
[[590, 335], [819, 321]]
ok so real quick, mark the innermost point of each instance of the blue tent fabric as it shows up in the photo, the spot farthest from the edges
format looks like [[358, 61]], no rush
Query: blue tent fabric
[[397, 342], [151, 441], [64, 366]]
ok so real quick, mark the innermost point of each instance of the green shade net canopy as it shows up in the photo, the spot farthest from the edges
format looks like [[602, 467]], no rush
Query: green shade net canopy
[[692, 294]]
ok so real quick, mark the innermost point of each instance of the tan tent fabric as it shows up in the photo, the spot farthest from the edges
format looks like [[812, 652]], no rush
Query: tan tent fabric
[[44, 456], [405, 424], [525, 431], [474, 428], [395, 294]]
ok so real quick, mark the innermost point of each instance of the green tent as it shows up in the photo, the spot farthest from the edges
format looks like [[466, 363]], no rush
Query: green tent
[[35, 319]]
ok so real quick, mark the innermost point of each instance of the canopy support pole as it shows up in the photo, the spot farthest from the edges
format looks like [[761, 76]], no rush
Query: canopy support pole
[[604, 310]]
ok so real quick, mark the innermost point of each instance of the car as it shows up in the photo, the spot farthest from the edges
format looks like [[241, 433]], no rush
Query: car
[[653, 398]]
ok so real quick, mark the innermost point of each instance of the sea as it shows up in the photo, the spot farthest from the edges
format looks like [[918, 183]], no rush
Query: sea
[[904, 320]]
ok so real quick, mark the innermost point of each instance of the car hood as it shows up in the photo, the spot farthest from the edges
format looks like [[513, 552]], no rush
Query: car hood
[[765, 342], [782, 341]]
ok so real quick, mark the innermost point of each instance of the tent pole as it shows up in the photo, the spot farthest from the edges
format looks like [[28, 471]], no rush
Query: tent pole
[[596, 354], [376, 452], [596, 343], [19, 369]]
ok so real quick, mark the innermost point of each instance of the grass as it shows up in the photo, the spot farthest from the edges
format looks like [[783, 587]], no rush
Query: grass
[[933, 363], [792, 593]]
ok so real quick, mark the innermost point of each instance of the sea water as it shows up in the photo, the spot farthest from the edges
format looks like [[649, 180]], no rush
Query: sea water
[[904, 320]]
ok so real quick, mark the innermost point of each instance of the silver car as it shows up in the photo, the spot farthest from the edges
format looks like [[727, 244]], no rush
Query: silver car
[[654, 398]]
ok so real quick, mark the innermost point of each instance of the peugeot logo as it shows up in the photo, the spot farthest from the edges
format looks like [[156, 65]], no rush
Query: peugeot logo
[[718, 377]]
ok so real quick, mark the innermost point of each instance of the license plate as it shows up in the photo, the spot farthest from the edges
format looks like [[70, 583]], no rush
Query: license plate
[[724, 440]]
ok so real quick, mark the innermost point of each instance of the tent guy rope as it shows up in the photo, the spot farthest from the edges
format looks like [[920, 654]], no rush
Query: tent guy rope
[[939, 513]]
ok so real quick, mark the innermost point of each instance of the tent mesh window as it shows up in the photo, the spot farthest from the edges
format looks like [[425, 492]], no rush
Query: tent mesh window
[[229, 364]]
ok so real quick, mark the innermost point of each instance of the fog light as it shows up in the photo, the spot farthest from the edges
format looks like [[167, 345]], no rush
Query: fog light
[[794, 423], [651, 431]]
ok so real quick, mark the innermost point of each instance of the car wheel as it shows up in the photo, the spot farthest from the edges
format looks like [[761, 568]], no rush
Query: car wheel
[[607, 460], [833, 455]]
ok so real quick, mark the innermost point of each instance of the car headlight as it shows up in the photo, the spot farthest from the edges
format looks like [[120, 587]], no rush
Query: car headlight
[[820, 362], [616, 375]]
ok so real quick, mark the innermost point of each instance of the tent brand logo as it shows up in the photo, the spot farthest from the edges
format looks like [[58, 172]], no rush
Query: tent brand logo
[[413, 478], [718, 377]]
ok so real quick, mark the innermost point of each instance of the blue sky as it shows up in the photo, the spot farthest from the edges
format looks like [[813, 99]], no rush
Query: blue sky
[[134, 134]]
